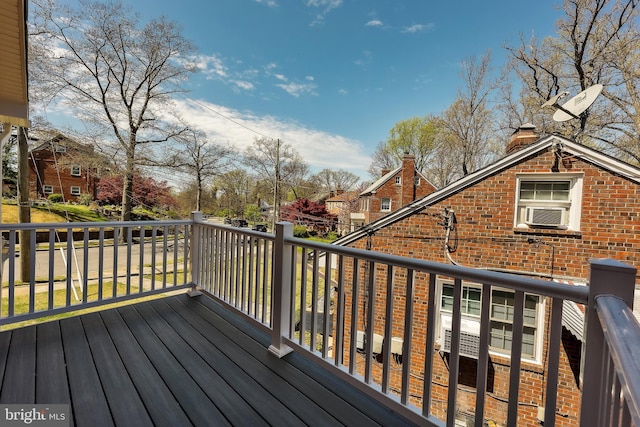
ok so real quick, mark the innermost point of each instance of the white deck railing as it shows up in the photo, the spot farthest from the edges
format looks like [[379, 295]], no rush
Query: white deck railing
[[316, 299], [104, 262]]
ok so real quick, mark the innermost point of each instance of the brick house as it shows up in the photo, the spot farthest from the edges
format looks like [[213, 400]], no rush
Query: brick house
[[390, 192], [62, 166], [543, 210]]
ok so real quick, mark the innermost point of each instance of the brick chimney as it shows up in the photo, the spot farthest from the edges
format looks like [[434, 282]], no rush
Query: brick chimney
[[408, 179], [523, 136]]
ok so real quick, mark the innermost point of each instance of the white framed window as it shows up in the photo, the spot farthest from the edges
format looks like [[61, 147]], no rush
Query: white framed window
[[47, 189], [398, 180], [385, 204], [548, 200], [501, 314], [61, 149], [75, 190], [76, 170], [416, 181]]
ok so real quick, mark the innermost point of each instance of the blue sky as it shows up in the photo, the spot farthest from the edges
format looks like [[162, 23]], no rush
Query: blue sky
[[331, 77]]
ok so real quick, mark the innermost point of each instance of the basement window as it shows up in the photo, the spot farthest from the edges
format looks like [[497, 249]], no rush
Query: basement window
[[47, 189], [75, 191], [548, 201]]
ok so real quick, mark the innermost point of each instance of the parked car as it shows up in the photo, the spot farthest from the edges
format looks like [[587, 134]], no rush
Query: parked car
[[238, 222], [260, 227]]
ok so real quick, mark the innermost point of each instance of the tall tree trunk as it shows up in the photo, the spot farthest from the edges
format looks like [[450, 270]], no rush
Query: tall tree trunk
[[24, 211]]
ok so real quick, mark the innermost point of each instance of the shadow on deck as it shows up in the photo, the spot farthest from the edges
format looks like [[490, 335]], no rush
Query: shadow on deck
[[174, 361]]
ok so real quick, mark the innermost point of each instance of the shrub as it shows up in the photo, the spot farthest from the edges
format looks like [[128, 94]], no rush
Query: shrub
[[85, 199], [300, 231], [55, 198]]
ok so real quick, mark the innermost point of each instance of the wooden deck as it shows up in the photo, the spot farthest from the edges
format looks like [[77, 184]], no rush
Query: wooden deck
[[176, 361]]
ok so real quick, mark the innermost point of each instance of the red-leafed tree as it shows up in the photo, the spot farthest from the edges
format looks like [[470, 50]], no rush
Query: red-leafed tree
[[147, 192], [312, 215]]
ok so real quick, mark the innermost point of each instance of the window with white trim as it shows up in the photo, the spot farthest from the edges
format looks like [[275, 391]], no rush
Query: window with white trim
[[385, 204], [416, 180], [398, 180], [61, 149], [501, 315], [75, 191], [76, 170], [548, 200], [47, 189]]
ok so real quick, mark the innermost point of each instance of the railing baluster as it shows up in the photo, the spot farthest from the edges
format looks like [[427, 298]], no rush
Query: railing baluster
[[339, 309], [326, 315], [516, 358], [11, 302], [355, 303], [370, 299], [52, 253], [101, 263], [483, 355], [454, 356], [143, 235], [388, 331], [85, 266], [407, 338], [553, 361], [303, 296], [69, 271], [429, 347], [165, 236], [314, 301]]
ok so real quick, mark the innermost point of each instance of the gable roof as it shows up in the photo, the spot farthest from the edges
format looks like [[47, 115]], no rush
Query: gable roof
[[578, 150], [385, 178], [14, 106], [342, 197]]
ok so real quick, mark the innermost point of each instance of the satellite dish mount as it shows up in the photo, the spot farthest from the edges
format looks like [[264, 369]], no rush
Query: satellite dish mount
[[576, 106]]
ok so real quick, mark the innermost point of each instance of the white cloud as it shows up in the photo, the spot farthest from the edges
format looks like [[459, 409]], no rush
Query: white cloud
[[326, 6], [374, 23], [281, 77], [240, 128], [210, 65], [416, 28], [297, 89], [343, 92], [310, 78], [270, 3], [244, 85]]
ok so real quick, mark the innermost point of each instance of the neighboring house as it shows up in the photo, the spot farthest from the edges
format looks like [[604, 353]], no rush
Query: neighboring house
[[62, 166], [543, 210], [390, 192], [342, 205]]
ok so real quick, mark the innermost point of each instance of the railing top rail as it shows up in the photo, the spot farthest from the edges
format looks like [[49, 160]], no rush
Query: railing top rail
[[578, 294], [97, 224], [239, 230], [622, 333]]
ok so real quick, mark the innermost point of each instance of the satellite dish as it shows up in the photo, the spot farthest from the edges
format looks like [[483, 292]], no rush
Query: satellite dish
[[573, 108]]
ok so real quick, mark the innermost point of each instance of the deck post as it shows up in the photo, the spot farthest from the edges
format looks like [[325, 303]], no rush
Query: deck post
[[281, 305], [609, 277], [194, 262]]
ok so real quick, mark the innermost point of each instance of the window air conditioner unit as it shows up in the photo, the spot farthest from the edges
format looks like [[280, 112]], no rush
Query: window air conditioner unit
[[545, 216], [469, 337]]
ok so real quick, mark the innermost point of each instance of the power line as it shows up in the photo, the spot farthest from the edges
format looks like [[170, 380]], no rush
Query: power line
[[227, 118]]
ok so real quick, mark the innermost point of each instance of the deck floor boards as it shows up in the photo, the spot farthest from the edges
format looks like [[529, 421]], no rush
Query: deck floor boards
[[174, 361]]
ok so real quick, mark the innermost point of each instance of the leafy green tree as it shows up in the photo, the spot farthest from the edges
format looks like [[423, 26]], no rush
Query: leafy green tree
[[417, 136]]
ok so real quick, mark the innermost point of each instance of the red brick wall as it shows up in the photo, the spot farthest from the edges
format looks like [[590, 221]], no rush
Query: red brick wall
[[45, 170], [487, 238]]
